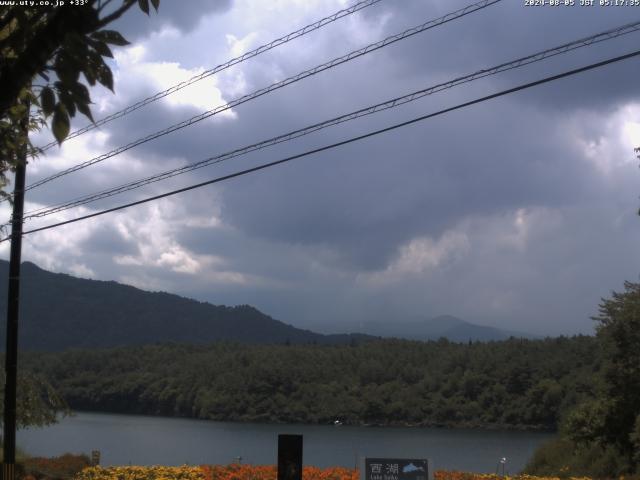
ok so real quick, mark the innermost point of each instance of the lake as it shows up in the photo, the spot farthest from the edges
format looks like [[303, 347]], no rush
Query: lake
[[145, 440]]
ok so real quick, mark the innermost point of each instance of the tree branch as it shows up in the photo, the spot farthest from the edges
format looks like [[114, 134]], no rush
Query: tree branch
[[126, 5], [16, 75], [102, 5]]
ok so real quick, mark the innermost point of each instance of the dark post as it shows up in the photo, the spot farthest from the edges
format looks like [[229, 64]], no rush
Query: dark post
[[289, 457], [13, 303]]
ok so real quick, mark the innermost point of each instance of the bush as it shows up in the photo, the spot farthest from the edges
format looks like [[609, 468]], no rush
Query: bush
[[563, 458]]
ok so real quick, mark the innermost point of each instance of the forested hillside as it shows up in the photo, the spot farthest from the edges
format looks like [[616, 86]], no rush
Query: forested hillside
[[58, 311], [513, 383]]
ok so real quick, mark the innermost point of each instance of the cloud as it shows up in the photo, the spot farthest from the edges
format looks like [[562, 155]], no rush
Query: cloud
[[159, 76], [609, 146], [422, 256], [172, 13], [519, 212]]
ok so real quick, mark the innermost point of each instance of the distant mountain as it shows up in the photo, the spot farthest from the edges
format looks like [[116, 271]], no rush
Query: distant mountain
[[443, 326], [59, 311]]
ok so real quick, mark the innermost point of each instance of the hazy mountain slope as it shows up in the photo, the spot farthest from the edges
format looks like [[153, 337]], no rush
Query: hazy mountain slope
[[59, 311], [447, 326]]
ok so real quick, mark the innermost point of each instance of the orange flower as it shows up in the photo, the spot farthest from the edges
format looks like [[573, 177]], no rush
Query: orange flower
[[260, 472]]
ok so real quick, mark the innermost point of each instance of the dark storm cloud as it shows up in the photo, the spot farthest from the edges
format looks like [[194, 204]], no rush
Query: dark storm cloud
[[489, 174], [508, 30], [413, 182], [324, 237], [107, 240], [185, 16], [380, 196]]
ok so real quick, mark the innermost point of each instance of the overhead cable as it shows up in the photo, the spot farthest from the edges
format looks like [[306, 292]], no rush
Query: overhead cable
[[388, 104], [337, 144], [223, 66], [275, 86]]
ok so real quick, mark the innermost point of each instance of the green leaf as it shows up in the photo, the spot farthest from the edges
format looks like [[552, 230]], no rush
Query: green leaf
[[90, 74], [66, 69], [93, 62], [18, 111], [110, 36], [144, 6], [80, 93], [67, 99], [156, 4], [47, 100], [105, 77], [85, 110], [101, 47], [60, 123]]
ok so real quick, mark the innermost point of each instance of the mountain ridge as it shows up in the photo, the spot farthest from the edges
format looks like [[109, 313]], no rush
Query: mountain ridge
[[424, 329], [59, 311]]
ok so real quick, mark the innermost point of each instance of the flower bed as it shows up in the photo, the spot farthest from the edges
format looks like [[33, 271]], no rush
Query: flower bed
[[261, 472], [454, 475], [141, 473], [210, 472]]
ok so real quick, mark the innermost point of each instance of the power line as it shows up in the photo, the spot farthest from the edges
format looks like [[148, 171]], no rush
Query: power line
[[223, 66], [341, 143], [388, 104], [275, 86]]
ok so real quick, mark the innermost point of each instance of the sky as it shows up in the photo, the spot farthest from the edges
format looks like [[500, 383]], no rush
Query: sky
[[518, 212]]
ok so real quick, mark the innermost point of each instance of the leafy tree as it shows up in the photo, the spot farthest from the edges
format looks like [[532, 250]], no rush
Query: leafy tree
[[56, 45], [608, 425], [635, 440], [586, 423], [619, 333], [38, 403]]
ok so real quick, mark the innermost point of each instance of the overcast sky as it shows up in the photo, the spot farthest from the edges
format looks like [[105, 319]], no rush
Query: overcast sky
[[520, 212]]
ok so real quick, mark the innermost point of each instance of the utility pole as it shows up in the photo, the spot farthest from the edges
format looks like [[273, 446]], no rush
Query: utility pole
[[13, 305]]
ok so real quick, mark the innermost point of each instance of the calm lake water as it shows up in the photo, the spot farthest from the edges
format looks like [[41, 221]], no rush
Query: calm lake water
[[141, 440]]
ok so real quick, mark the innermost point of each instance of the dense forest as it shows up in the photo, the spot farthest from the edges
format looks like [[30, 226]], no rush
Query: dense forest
[[514, 383]]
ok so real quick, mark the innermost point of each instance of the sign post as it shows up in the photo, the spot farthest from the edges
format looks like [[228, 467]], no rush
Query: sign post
[[395, 469], [289, 457]]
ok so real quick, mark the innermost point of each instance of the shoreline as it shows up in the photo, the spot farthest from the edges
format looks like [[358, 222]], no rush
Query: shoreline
[[391, 425]]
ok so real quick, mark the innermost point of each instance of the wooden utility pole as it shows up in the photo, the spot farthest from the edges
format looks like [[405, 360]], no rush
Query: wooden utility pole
[[13, 305]]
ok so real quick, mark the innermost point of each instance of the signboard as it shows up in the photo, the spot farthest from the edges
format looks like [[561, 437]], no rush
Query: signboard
[[396, 469]]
